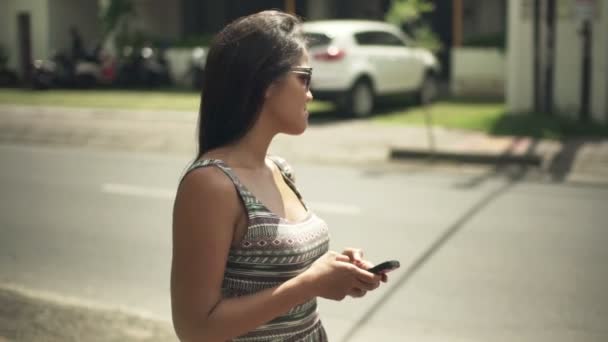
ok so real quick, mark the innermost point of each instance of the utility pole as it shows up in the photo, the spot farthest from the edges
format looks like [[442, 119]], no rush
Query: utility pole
[[290, 6], [536, 41], [586, 71], [550, 57], [457, 13], [586, 12]]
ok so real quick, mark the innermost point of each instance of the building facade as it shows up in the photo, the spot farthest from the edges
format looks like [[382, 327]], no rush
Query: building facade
[[34, 29], [545, 66]]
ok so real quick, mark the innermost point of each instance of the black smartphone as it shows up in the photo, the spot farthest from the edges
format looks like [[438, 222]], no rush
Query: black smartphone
[[384, 267]]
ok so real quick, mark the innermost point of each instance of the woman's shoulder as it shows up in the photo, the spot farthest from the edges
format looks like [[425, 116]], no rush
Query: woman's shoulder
[[203, 181]]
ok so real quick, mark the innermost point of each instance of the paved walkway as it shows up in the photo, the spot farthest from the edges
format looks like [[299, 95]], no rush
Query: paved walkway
[[328, 140]]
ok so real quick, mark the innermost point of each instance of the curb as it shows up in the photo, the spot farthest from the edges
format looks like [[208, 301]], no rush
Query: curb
[[466, 157]]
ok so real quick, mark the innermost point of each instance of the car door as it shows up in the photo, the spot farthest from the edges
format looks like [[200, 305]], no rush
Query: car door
[[403, 64], [369, 44]]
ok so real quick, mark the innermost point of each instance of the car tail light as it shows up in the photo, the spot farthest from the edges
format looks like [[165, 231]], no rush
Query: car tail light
[[332, 53]]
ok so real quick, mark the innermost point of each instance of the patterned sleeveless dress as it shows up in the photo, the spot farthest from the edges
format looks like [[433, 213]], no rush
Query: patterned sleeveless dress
[[272, 251]]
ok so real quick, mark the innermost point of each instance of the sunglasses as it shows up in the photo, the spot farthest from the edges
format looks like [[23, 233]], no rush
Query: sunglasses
[[304, 74]]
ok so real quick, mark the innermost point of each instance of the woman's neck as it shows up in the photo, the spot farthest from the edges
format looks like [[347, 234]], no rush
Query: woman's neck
[[249, 152]]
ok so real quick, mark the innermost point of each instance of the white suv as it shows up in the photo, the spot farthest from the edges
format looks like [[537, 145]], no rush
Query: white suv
[[356, 61]]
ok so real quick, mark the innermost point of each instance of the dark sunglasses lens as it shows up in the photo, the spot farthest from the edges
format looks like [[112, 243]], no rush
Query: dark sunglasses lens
[[305, 78]]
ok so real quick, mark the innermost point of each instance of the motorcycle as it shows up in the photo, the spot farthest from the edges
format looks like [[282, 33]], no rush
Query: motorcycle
[[143, 67], [63, 71]]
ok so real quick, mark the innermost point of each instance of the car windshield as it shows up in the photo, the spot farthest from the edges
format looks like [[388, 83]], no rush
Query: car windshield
[[317, 39]]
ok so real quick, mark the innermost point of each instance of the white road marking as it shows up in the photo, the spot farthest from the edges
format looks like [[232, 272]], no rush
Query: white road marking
[[138, 191], [167, 194]]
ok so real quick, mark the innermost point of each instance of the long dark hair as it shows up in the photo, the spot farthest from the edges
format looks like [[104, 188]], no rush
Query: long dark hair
[[243, 60]]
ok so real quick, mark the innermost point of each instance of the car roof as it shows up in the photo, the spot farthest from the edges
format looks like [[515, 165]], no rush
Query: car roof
[[346, 25]]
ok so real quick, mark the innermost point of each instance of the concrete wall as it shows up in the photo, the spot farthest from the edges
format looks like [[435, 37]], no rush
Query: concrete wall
[[39, 21], [520, 90], [83, 15], [478, 72], [4, 22], [568, 59]]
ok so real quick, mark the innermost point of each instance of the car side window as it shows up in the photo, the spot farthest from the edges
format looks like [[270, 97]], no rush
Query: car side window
[[317, 39], [378, 38]]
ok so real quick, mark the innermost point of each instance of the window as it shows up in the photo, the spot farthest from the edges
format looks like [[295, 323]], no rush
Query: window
[[378, 38], [317, 39]]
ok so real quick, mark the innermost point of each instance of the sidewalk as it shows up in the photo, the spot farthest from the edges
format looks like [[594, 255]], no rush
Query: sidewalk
[[325, 141], [28, 318]]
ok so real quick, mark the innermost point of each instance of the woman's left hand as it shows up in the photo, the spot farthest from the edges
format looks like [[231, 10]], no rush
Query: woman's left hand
[[356, 257]]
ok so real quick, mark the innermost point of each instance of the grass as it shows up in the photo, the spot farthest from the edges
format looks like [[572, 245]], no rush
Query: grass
[[491, 118], [171, 99], [115, 99]]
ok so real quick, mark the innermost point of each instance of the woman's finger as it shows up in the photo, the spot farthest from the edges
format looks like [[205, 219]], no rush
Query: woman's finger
[[356, 292], [355, 254]]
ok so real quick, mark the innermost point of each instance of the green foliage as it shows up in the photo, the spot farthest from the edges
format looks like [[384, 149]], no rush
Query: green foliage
[[410, 13], [117, 11], [115, 19], [404, 11]]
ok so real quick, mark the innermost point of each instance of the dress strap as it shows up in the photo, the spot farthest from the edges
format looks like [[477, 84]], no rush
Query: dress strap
[[249, 201]]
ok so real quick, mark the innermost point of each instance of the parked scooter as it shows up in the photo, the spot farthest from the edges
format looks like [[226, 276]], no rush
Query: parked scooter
[[143, 67], [61, 71], [197, 67], [58, 71]]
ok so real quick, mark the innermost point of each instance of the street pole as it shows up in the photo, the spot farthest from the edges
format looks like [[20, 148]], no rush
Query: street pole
[[290, 6], [537, 65], [457, 23], [586, 71], [550, 57]]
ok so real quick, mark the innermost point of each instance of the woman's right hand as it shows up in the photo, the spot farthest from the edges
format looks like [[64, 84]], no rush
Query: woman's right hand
[[333, 276]]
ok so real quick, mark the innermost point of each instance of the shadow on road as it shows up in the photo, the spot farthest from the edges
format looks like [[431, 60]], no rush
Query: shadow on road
[[426, 256], [563, 162]]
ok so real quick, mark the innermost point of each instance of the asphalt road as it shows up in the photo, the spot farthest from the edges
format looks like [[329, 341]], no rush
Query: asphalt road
[[485, 257]]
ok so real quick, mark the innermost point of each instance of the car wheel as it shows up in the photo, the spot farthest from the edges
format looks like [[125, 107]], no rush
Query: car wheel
[[429, 90], [361, 99]]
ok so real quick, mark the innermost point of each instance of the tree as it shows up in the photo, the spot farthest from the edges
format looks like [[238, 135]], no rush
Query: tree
[[409, 15], [115, 18]]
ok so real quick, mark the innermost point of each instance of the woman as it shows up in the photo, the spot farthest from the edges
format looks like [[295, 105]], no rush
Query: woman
[[249, 258]]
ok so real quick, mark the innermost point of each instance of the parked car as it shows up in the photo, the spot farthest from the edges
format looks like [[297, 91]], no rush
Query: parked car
[[357, 61]]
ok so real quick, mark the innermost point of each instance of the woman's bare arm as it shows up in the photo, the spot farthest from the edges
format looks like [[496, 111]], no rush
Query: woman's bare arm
[[205, 213]]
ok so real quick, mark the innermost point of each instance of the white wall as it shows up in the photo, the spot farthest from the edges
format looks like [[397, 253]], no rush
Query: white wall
[[82, 14], [39, 21], [4, 23], [520, 90], [568, 56], [478, 72], [568, 59]]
